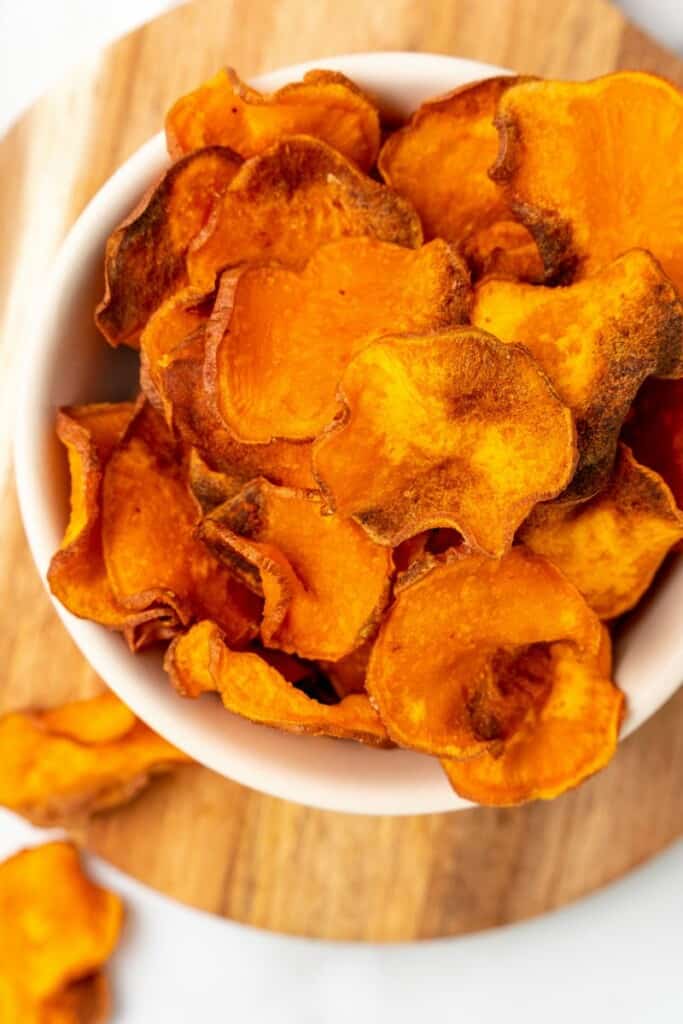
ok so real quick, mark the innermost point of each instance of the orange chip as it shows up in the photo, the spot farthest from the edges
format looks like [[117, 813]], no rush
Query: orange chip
[[225, 111], [285, 203], [201, 661], [77, 574], [611, 546], [460, 657], [449, 429], [348, 674], [176, 320], [64, 764], [593, 169], [151, 554], [655, 431], [57, 930], [504, 249], [277, 335], [197, 423], [597, 340], [144, 261], [324, 582], [563, 740]]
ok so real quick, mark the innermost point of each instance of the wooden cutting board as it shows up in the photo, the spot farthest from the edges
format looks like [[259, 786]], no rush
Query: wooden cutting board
[[195, 836]]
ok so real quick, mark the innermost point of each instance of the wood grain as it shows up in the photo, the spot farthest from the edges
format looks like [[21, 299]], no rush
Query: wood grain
[[196, 836]]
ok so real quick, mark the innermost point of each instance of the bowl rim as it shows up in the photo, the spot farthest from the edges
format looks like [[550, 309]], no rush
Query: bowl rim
[[421, 787]]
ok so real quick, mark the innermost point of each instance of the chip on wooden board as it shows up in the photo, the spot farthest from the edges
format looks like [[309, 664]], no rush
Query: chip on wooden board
[[611, 546], [450, 429], [200, 661], [655, 431], [597, 340], [144, 261], [278, 341], [64, 764], [564, 738], [289, 200], [57, 931], [225, 111], [150, 551], [325, 583], [466, 649], [594, 168]]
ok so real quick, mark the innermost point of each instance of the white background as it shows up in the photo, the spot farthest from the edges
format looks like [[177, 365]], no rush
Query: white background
[[615, 957]]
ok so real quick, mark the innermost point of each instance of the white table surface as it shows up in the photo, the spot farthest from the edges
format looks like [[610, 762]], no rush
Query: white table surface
[[617, 956]]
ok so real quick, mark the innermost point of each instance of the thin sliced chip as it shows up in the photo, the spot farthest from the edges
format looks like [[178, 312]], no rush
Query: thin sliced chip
[[655, 431], [348, 674], [67, 763], [285, 203], [450, 429], [57, 930], [252, 688], [144, 261], [594, 168], [224, 111], [176, 319], [277, 335], [150, 551], [610, 547], [561, 742], [504, 249], [77, 574], [196, 422], [440, 162], [597, 340], [324, 582], [461, 657]]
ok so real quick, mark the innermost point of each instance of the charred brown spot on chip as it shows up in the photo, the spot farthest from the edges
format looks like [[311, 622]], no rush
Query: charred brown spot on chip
[[279, 341], [597, 340], [144, 260], [225, 111], [291, 199], [452, 429]]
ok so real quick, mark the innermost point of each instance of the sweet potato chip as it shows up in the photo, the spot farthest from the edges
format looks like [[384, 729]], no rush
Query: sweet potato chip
[[196, 422], [610, 547], [285, 203], [150, 551], [77, 574], [461, 656], [225, 111], [277, 335], [324, 582], [450, 429], [57, 930], [348, 674], [597, 340], [504, 249], [200, 661], [144, 261], [67, 763], [593, 169], [655, 431], [176, 319], [563, 739]]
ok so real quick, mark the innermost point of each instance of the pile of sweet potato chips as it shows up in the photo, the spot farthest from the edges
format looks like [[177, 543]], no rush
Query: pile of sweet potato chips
[[409, 436]]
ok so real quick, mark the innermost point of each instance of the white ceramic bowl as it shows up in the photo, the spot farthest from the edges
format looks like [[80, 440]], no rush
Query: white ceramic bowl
[[68, 362]]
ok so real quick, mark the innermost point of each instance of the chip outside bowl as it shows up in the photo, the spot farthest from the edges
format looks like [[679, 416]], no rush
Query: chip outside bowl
[[67, 362]]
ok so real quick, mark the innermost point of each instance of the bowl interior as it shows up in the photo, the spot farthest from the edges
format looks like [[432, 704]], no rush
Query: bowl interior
[[67, 362]]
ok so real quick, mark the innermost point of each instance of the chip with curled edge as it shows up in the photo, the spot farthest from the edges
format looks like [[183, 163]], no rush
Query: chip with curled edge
[[611, 546], [451, 429], [593, 169], [325, 583], [460, 657], [64, 764], [57, 931], [286, 202], [562, 740], [597, 340], [200, 661], [225, 111], [279, 341], [144, 260]]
